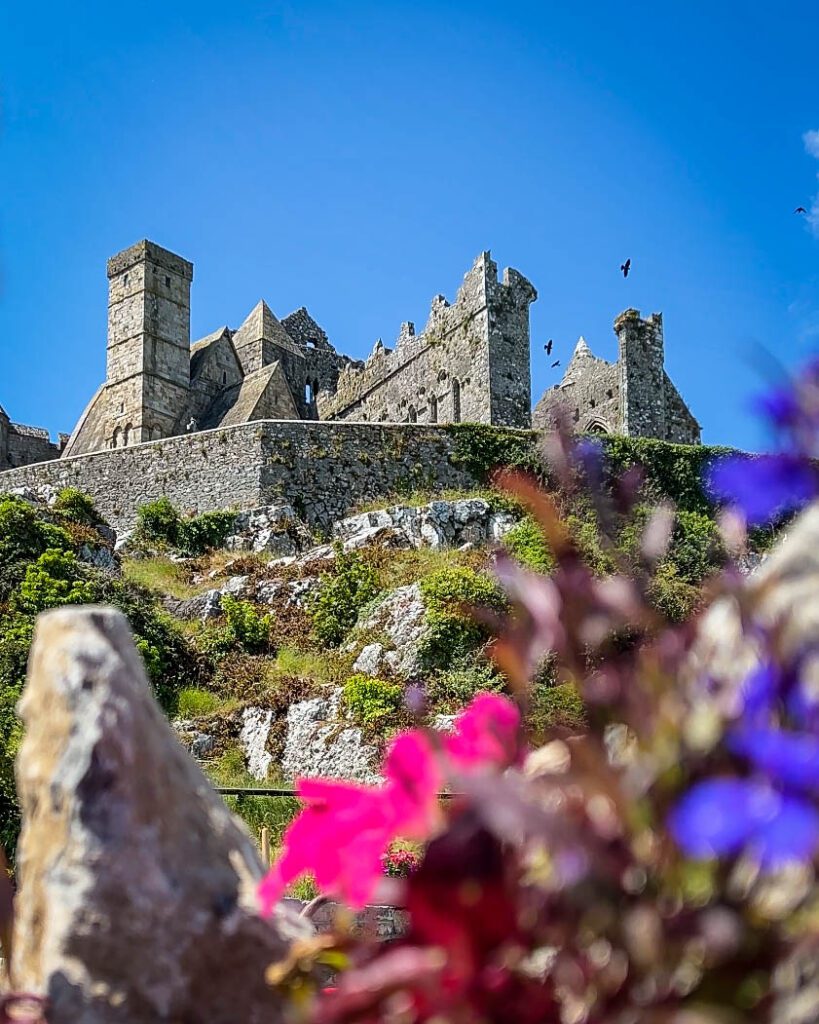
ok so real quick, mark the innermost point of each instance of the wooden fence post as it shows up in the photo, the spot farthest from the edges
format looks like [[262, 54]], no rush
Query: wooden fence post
[[266, 846]]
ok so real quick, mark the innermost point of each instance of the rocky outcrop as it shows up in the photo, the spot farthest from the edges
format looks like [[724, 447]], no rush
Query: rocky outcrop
[[137, 884], [436, 525], [401, 619], [275, 529], [319, 742]]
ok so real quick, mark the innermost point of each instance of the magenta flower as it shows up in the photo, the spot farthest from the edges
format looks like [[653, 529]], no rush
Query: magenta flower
[[345, 829]]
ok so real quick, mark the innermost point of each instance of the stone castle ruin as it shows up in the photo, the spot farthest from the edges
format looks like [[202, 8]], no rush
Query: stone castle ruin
[[470, 363], [634, 396]]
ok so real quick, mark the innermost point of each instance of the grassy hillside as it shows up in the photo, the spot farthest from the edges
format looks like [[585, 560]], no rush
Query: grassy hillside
[[274, 651]]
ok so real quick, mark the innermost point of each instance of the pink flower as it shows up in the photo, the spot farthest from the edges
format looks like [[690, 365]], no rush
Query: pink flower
[[345, 829], [486, 734]]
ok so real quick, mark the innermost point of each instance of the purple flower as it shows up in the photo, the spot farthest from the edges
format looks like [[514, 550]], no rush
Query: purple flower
[[723, 817], [763, 487], [780, 406], [791, 758], [760, 689]]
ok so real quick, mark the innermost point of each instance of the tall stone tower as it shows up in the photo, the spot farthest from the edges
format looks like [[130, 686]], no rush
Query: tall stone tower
[[510, 375], [148, 357], [642, 374]]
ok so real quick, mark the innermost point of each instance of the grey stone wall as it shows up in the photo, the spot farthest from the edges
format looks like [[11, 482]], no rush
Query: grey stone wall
[[470, 363], [21, 445], [322, 469]]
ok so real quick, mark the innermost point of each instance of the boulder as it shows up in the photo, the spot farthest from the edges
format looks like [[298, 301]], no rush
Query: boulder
[[137, 885], [274, 528], [318, 742], [401, 618], [436, 525]]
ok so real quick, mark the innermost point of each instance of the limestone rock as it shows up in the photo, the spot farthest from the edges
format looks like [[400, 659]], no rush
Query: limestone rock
[[401, 618], [275, 529], [137, 884], [256, 724], [318, 742], [371, 660], [438, 524]]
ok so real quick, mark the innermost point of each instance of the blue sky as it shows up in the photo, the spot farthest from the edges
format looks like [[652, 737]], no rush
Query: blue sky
[[356, 157]]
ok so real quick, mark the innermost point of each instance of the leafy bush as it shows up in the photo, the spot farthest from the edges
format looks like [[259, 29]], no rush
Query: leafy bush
[[194, 703], [204, 532], [244, 629], [555, 707], [453, 636], [335, 607], [77, 506], [454, 688], [54, 579], [696, 550], [25, 534], [526, 543], [159, 521], [371, 701]]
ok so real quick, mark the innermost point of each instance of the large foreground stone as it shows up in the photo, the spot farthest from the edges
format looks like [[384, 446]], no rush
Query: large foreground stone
[[137, 884]]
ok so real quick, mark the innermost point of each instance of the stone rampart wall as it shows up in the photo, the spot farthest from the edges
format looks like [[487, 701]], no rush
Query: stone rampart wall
[[322, 469]]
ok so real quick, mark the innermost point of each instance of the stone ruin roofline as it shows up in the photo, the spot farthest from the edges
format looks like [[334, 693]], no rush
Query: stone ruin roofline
[[384, 363], [146, 250]]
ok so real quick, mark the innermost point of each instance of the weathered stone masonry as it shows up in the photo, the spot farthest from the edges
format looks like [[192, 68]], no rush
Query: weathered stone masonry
[[322, 469], [21, 445]]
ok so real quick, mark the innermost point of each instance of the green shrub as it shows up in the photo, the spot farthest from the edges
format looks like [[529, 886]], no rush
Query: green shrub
[[77, 506], [696, 549], [453, 636], [245, 628], [54, 579], [25, 533], [526, 543], [670, 594], [337, 603], [194, 703], [159, 521], [204, 532], [554, 707], [371, 701], [454, 688]]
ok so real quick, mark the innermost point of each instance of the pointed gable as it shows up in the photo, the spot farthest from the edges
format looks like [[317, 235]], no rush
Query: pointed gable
[[263, 395], [259, 337]]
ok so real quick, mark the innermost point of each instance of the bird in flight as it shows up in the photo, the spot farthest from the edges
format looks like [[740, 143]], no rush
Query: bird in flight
[[800, 209], [548, 347], [626, 267], [555, 363]]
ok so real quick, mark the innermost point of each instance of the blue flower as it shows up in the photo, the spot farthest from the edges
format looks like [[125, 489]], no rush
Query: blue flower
[[791, 758], [722, 817], [762, 487], [780, 406]]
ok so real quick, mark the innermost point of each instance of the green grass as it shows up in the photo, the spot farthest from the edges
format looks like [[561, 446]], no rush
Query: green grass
[[328, 666], [161, 575], [416, 498], [196, 703]]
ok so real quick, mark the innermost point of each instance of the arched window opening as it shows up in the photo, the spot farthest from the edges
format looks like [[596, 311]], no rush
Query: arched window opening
[[309, 393], [456, 401], [126, 435], [311, 343], [433, 409], [116, 439], [609, 393], [224, 376], [596, 427], [592, 403], [412, 415]]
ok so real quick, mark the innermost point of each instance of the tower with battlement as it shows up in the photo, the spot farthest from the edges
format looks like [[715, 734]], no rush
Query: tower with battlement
[[148, 357], [633, 396]]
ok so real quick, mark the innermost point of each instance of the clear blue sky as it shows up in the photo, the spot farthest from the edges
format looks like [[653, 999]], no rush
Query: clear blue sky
[[356, 157]]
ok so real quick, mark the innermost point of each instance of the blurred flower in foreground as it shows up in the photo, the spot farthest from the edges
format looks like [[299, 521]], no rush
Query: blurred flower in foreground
[[345, 829]]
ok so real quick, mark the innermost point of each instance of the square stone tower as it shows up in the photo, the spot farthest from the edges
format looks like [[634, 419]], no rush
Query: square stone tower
[[148, 356], [642, 374]]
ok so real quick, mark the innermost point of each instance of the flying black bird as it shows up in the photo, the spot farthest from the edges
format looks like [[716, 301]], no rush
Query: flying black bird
[[800, 209], [626, 267], [555, 363], [548, 347]]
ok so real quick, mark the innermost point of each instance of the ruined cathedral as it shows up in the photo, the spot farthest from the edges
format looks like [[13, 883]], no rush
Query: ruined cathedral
[[470, 362]]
